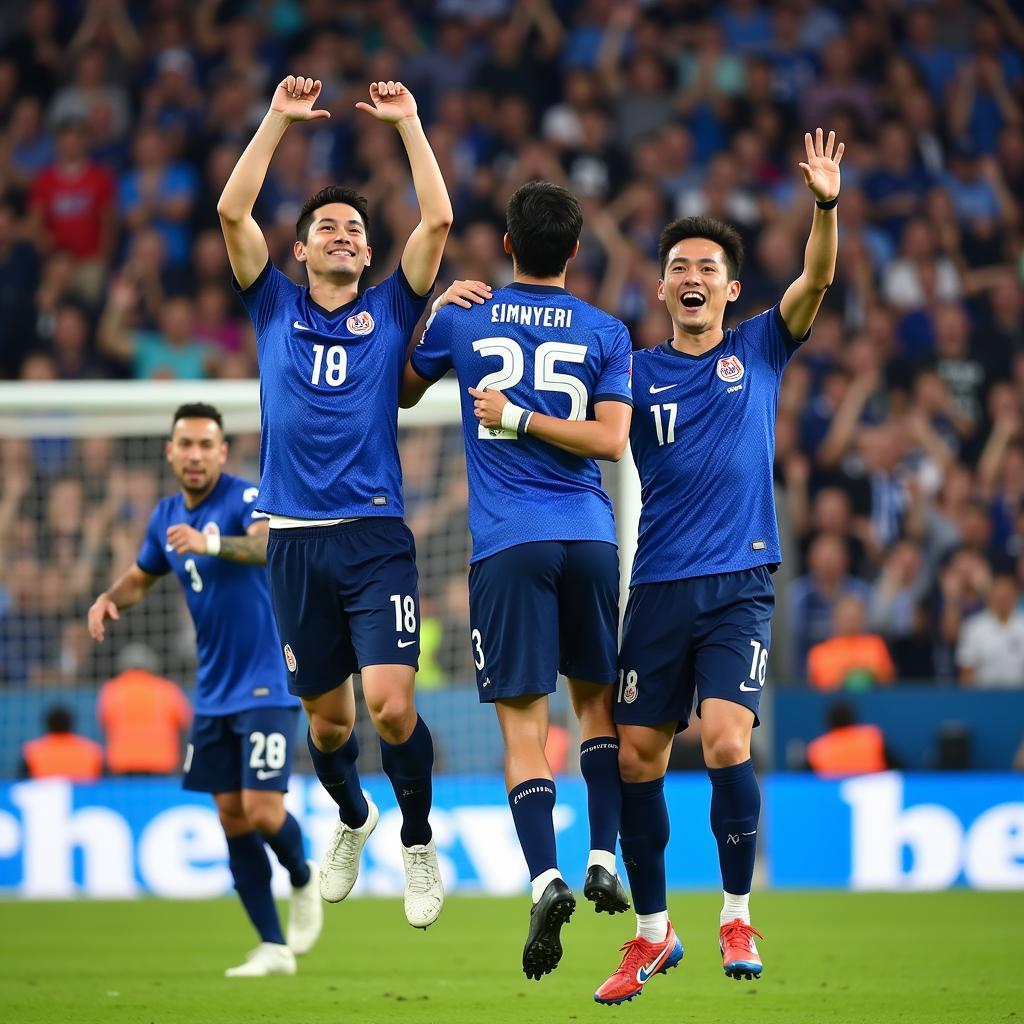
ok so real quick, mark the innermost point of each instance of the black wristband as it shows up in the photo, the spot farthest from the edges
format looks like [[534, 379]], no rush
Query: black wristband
[[827, 204]]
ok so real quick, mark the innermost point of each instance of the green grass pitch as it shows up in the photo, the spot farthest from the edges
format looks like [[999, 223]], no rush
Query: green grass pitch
[[885, 959]]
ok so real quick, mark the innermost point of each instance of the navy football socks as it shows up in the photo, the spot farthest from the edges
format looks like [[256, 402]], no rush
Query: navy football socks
[[533, 803], [599, 764], [735, 808], [644, 836], [250, 868], [337, 774], [408, 766], [290, 850]]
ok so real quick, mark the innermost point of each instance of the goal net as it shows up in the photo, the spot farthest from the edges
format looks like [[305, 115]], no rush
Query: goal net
[[82, 466]]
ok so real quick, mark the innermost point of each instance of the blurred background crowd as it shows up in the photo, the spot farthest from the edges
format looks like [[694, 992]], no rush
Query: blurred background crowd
[[900, 456]]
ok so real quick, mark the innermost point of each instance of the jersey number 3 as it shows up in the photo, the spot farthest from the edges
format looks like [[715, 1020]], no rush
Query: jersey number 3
[[545, 377]]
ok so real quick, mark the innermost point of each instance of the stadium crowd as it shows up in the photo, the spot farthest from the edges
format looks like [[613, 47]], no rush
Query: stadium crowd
[[900, 457]]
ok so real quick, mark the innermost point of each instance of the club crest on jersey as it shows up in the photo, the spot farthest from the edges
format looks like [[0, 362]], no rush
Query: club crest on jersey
[[289, 658], [730, 369], [360, 323]]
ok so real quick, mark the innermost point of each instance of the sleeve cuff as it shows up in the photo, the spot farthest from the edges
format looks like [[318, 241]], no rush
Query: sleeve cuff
[[784, 330], [162, 571], [428, 377], [404, 281], [260, 279], [613, 398]]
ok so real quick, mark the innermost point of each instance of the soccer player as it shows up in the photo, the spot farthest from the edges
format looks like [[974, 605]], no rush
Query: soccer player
[[210, 536], [341, 561], [544, 572], [701, 599]]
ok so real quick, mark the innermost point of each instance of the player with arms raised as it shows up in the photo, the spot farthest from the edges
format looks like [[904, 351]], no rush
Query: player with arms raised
[[545, 392], [701, 598], [341, 561], [210, 536]]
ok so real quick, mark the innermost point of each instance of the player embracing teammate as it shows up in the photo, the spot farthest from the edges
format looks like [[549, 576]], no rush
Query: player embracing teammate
[[698, 621]]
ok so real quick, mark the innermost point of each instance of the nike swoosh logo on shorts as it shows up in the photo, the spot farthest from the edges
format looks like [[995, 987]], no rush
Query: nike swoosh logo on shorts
[[406, 643], [264, 775], [655, 390]]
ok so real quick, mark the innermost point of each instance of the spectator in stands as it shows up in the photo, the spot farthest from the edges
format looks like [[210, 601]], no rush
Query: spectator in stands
[[813, 597], [847, 748], [990, 652], [170, 352], [60, 753], [72, 208], [143, 716], [852, 658], [19, 276]]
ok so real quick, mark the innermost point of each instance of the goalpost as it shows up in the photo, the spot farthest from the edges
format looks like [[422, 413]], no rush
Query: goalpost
[[81, 467]]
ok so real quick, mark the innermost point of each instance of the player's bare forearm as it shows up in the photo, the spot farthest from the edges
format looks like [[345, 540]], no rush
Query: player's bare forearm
[[249, 550], [604, 438], [244, 183], [421, 259], [413, 388], [130, 587]]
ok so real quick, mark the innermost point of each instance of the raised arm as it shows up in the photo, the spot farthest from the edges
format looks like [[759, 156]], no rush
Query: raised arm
[[249, 550], [247, 248], [130, 588], [604, 437], [800, 304], [421, 259]]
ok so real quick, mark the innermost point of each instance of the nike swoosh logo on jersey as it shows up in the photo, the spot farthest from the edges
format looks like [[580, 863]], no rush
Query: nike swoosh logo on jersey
[[656, 390], [749, 689], [406, 643], [264, 775], [299, 326], [652, 968]]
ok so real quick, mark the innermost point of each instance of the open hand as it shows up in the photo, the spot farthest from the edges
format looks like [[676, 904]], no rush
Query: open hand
[[294, 98], [392, 102], [487, 406], [821, 172], [464, 294], [102, 608]]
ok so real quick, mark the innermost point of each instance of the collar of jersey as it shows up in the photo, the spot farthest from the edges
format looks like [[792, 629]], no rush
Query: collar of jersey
[[213, 491], [331, 313], [666, 346], [538, 289]]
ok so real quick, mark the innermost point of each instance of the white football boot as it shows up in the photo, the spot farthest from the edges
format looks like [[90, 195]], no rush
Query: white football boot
[[305, 913], [424, 893], [340, 867], [266, 958]]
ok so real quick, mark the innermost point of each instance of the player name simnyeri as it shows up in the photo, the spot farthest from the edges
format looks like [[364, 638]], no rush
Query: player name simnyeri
[[530, 316]]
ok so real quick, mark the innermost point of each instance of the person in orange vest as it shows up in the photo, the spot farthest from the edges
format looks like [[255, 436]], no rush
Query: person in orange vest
[[853, 658], [848, 748], [143, 716], [61, 753]]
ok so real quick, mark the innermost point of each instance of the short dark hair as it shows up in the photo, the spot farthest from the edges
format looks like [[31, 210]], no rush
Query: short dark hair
[[716, 231], [327, 195], [197, 411], [59, 719], [544, 222]]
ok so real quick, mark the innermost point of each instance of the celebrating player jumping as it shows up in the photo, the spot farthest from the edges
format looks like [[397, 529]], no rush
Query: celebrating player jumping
[[210, 536], [341, 561], [544, 574], [701, 599]]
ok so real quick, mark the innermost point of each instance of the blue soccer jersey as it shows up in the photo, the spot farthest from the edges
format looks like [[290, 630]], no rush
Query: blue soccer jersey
[[548, 351], [240, 661], [703, 439], [329, 383]]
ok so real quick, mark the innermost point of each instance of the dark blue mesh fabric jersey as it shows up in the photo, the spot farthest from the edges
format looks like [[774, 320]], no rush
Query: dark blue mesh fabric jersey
[[240, 661], [703, 439], [550, 352], [329, 396]]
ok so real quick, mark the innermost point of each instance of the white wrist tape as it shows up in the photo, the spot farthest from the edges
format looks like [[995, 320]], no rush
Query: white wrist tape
[[213, 544], [515, 418]]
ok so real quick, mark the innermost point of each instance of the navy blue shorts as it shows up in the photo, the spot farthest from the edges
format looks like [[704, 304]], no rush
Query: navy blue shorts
[[247, 750], [344, 597], [542, 608], [709, 634]]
